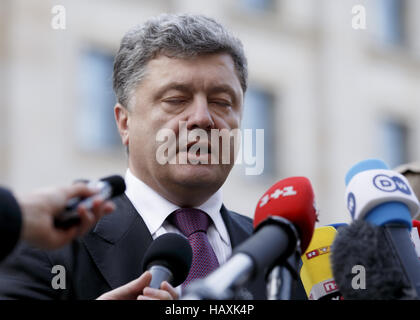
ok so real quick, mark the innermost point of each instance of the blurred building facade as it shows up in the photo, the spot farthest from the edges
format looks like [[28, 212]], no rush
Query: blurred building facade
[[326, 94]]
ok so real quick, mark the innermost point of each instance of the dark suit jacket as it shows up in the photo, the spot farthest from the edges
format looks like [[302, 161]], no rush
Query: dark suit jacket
[[10, 222], [109, 256]]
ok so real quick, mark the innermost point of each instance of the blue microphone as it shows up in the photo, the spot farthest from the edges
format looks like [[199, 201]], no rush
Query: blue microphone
[[384, 198]]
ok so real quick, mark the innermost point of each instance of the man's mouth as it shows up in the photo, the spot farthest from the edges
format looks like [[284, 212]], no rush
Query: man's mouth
[[197, 148]]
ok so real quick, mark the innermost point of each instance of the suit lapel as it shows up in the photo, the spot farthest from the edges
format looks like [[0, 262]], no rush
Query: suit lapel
[[118, 242], [240, 230], [236, 230]]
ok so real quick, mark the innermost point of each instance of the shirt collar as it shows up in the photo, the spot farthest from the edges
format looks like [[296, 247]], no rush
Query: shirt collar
[[154, 209]]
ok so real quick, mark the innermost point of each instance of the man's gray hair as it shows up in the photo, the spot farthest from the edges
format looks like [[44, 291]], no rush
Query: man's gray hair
[[173, 35]]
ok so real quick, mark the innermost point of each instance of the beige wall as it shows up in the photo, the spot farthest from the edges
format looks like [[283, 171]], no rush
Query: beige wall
[[331, 83]]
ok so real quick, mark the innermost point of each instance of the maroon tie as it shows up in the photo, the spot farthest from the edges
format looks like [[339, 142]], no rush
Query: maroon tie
[[193, 223]]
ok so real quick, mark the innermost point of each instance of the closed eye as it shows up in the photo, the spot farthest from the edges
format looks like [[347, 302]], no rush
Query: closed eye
[[221, 103], [175, 101]]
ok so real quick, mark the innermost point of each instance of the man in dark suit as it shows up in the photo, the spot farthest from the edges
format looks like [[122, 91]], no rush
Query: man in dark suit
[[107, 258], [174, 76]]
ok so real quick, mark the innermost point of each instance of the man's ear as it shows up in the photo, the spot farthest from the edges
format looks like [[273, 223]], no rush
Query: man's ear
[[122, 119]]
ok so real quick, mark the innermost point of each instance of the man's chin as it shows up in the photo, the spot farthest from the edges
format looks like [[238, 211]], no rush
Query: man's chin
[[199, 175]]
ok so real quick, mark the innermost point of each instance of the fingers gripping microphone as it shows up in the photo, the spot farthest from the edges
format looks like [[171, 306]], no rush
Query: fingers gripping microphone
[[169, 259], [109, 187], [316, 273], [284, 215]]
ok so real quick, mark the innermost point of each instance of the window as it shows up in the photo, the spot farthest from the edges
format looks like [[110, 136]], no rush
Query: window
[[259, 114], [258, 5], [95, 126], [394, 142], [390, 21]]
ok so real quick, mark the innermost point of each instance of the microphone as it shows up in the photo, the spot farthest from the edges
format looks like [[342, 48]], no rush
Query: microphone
[[168, 259], [316, 273], [379, 195], [281, 280], [383, 198], [282, 276], [365, 265], [284, 214], [109, 187]]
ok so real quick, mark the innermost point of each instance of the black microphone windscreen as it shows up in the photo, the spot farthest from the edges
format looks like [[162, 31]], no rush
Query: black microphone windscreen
[[172, 251], [363, 244], [117, 184]]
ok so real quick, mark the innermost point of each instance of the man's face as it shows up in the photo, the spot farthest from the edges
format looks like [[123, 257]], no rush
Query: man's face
[[203, 92]]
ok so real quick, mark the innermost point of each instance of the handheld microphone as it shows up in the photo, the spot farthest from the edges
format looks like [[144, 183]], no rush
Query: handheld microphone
[[168, 259], [284, 215], [366, 266], [384, 198], [109, 187], [316, 273]]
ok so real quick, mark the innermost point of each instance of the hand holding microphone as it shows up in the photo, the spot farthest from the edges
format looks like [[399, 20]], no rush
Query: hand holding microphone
[[107, 188], [42, 209], [168, 259], [166, 264]]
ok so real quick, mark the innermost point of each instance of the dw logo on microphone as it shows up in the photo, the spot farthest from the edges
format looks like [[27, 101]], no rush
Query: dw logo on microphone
[[351, 204], [390, 184]]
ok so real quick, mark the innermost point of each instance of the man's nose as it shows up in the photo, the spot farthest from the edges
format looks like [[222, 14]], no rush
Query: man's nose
[[200, 115]]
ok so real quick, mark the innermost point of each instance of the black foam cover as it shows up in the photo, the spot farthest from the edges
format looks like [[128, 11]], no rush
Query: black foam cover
[[117, 184], [172, 251], [362, 243]]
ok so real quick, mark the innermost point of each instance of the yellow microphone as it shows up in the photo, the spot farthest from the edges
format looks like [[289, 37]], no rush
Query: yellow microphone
[[316, 272]]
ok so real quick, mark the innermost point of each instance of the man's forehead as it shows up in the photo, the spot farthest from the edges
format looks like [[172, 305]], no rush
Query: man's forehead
[[170, 70]]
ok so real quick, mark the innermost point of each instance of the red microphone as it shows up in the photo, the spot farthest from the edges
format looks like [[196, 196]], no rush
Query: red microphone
[[292, 199], [416, 224], [284, 215]]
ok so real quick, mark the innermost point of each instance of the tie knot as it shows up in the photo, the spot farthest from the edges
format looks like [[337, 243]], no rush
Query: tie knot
[[190, 220]]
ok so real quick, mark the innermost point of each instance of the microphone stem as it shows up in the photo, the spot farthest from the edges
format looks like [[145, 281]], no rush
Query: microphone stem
[[399, 238], [280, 283], [273, 284], [219, 284]]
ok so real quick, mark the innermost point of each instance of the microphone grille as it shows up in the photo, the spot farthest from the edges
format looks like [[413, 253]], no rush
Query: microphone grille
[[172, 251], [117, 184]]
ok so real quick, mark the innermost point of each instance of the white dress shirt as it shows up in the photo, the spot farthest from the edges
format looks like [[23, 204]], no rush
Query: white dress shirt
[[154, 209]]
